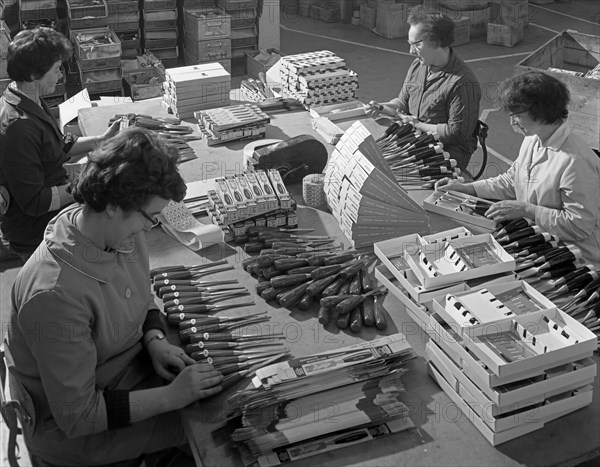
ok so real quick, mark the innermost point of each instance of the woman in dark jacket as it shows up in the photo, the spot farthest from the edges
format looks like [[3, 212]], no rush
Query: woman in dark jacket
[[33, 148]]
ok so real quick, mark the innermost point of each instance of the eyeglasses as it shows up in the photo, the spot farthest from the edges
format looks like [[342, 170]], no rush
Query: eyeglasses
[[516, 114], [153, 222], [415, 43]]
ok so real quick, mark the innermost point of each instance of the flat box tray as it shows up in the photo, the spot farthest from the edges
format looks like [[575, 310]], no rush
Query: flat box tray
[[485, 308], [538, 341], [431, 203], [544, 414], [495, 401], [444, 263]]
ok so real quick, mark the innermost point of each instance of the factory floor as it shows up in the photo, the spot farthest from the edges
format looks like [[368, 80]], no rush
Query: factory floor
[[381, 65]]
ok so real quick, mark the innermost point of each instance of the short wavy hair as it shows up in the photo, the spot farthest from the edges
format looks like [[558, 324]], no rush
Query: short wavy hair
[[129, 169], [32, 53], [437, 27], [543, 96]]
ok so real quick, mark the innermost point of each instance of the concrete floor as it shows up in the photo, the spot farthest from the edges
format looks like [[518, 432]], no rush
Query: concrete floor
[[381, 65]]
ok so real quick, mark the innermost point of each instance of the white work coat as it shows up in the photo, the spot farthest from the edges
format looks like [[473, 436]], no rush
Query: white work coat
[[562, 178]]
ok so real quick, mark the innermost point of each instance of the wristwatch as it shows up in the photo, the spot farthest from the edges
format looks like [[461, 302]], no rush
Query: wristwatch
[[157, 335]]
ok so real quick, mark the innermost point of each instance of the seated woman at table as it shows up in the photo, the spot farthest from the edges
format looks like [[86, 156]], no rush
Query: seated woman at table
[[555, 181], [33, 148], [440, 93], [87, 341]]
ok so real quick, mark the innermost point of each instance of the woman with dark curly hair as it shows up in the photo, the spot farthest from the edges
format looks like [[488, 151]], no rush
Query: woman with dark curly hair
[[87, 341], [555, 181], [440, 93], [33, 148]]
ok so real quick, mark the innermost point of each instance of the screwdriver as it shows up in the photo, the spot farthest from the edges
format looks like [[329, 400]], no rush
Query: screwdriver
[[575, 285], [318, 286], [518, 234], [187, 320], [166, 282], [511, 226], [353, 301], [554, 284], [531, 241], [199, 287], [185, 272], [204, 298], [196, 291], [529, 253], [292, 297], [555, 272], [230, 337], [205, 308], [380, 320]]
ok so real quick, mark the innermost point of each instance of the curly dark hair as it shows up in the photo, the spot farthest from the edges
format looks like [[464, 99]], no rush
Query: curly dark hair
[[32, 53], [543, 96], [438, 28], [127, 170]]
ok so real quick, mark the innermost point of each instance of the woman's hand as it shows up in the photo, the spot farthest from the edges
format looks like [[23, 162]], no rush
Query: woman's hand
[[111, 131], [510, 209], [447, 183], [195, 382], [373, 109], [168, 359]]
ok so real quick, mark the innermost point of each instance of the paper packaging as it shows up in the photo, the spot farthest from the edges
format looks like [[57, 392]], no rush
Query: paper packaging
[[248, 194], [179, 222], [536, 341], [504, 399], [432, 204], [436, 265], [285, 201], [485, 304], [333, 442], [222, 189], [327, 361], [262, 200], [267, 188]]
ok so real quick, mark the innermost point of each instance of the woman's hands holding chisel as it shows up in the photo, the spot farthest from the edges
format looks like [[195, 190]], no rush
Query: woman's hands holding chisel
[[168, 360], [197, 381]]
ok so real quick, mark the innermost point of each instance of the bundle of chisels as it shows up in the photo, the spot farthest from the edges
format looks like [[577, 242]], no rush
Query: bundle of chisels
[[169, 128], [554, 269], [307, 272], [417, 159], [234, 345]]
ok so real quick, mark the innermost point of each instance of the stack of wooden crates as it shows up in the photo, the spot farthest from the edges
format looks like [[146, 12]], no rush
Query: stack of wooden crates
[[244, 30], [124, 20], [4, 41], [97, 49], [160, 30], [34, 13], [207, 37]]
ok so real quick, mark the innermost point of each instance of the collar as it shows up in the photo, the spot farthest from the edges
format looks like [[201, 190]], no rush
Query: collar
[[558, 138], [448, 66], [16, 99], [69, 246]]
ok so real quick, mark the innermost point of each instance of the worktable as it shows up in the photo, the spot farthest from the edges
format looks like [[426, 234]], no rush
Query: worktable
[[443, 436]]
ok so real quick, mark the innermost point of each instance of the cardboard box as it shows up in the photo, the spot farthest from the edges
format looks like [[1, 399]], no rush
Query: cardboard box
[[435, 203], [539, 341], [484, 305], [441, 264], [261, 61], [557, 406], [495, 401], [572, 51], [144, 84], [462, 30]]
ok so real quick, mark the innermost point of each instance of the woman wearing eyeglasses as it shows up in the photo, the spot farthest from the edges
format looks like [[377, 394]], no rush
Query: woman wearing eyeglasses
[[440, 93], [555, 181], [86, 338]]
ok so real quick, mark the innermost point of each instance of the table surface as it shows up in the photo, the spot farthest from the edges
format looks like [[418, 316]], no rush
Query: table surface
[[444, 436]]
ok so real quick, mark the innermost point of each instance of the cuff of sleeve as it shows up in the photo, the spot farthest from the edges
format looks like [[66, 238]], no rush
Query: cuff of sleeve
[[153, 321], [117, 408], [441, 131], [55, 202]]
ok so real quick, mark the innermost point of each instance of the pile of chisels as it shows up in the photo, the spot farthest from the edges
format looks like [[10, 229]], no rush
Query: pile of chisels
[[417, 159], [306, 271], [169, 128], [554, 268], [235, 345]]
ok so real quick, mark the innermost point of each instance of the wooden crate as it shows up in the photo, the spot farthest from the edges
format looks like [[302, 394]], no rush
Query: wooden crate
[[462, 30], [143, 84], [573, 51], [504, 35], [391, 20], [368, 16]]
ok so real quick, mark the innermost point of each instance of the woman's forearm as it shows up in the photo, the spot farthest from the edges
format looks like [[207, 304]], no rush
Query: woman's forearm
[[148, 403], [82, 146]]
